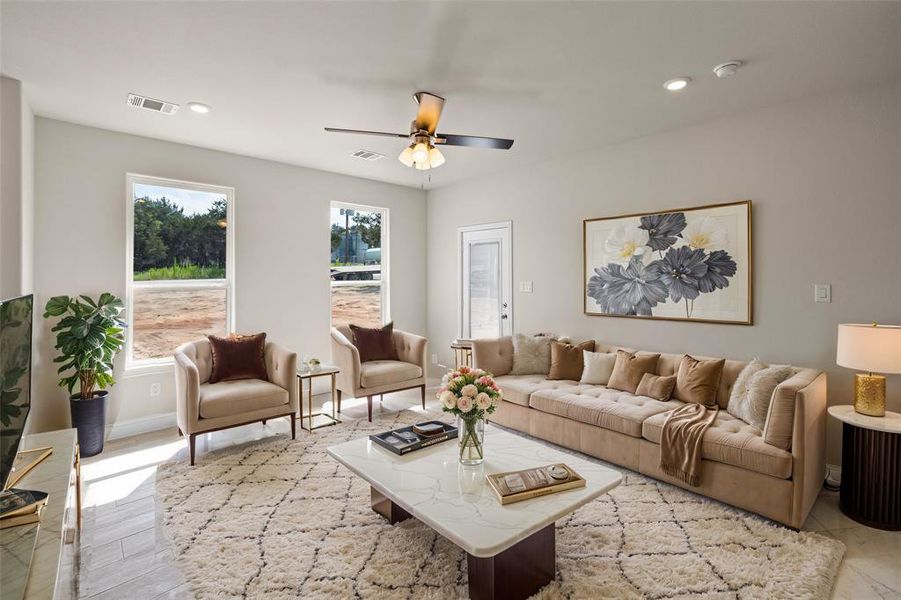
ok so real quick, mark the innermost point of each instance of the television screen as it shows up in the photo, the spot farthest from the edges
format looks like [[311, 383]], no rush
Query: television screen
[[15, 376]]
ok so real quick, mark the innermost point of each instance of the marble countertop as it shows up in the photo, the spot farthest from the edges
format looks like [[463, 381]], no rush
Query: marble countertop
[[457, 501], [890, 423], [53, 476]]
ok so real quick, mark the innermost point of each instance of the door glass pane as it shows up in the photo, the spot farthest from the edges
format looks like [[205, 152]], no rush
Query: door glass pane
[[164, 319], [484, 290]]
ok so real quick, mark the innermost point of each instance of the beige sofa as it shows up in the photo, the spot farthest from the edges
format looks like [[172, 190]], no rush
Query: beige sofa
[[776, 472], [379, 377]]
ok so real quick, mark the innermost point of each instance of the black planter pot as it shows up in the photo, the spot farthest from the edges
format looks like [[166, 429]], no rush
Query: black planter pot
[[89, 418]]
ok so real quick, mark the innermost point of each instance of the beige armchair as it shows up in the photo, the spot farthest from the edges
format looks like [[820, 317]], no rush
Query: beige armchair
[[379, 377], [202, 406]]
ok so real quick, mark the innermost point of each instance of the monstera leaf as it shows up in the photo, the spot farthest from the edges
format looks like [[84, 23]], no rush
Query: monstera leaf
[[88, 337]]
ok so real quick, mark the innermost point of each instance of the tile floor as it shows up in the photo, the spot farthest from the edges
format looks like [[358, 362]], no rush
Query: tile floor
[[124, 553]]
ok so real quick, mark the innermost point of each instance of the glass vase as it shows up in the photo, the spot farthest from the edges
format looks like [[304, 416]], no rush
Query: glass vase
[[471, 437]]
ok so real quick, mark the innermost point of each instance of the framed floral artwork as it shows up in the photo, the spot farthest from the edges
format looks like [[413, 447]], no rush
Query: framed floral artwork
[[691, 264]]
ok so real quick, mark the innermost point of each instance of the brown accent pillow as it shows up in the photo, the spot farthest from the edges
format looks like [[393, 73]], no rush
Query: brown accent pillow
[[566, 359], [698, 380], [629, 369], [658, 387], [238, 357], [375, 344]]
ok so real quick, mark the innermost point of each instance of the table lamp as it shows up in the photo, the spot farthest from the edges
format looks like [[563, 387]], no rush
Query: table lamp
[[869, 348]]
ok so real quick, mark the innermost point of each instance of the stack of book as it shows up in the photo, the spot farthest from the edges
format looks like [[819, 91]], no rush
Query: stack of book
[[21, 507], [515, 486], [414, 437]]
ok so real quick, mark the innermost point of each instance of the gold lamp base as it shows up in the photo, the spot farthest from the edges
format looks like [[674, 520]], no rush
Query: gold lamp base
[[869, 394]]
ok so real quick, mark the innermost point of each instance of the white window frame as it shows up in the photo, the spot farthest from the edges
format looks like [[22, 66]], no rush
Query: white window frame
[[152, 364], [385, 303]]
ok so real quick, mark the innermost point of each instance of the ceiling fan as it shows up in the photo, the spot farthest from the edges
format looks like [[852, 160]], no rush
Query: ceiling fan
[[422, 153]]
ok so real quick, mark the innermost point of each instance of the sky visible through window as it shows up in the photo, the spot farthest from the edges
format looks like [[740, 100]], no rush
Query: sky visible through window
[[192, 201]]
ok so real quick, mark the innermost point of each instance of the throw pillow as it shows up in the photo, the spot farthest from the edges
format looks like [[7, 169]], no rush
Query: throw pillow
[[531, 355], [238, 357], [629, 369], [752, 404], [740, 387], [658, 387], [566, 359], [598, 367], [375, 344], [698, 380]]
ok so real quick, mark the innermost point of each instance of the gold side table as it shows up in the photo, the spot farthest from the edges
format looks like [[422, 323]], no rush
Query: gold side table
[[309, 375]]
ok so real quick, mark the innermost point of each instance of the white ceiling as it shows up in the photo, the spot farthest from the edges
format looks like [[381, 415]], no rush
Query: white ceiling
[[556, 77]]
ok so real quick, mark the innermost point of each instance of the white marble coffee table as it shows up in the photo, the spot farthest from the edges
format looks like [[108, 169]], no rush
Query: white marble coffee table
[[510, 548]]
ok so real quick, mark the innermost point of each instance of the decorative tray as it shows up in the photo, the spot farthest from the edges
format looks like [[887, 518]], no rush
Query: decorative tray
[[405, 439]]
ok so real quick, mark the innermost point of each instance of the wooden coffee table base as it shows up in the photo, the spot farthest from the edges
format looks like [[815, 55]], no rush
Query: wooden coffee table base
[[516, 573]]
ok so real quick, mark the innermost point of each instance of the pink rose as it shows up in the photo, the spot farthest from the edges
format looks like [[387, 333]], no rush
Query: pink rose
[[465, 404]]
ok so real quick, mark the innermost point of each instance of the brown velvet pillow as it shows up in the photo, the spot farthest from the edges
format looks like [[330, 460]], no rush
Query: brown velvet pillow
[[238, 357], [375, 344], [566, 359], [657, 387], [698, 380], [629, 369]]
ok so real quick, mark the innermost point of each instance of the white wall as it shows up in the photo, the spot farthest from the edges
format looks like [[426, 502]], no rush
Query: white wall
[[282, 244], [824, 176], [16, 189]]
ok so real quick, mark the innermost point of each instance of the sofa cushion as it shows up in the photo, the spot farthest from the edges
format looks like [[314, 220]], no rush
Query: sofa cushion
[[629, 368], [731, 441], [566, 359], [601, 407], [374, 343], [384, 372], [518, 388], [531, 354], [228, 398], [699, 380], [658, 387]]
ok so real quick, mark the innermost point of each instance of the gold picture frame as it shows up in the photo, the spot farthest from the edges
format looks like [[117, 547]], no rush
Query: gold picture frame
[[724, 229]]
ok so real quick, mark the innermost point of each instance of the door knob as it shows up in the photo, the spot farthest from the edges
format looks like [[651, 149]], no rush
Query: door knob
[[504, 316]]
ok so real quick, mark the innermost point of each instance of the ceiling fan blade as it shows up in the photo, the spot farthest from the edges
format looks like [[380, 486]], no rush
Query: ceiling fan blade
[[430, 107], [473, 141], [365, 132]]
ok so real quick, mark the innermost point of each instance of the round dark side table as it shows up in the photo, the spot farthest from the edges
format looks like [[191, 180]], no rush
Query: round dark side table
[[871, 467]]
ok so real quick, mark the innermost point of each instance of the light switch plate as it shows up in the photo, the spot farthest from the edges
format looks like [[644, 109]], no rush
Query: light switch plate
[[822, 292], [525, 287]]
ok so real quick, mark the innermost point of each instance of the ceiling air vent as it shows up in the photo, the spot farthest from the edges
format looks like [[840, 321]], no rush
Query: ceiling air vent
[[367, 155], [160, 106]]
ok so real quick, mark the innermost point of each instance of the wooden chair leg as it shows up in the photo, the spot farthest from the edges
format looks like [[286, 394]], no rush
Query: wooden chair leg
[[191, 439], [264, 421], [381, 398], [369, 404], [293, 427], [422, 389], [339, 400], [180, 432]]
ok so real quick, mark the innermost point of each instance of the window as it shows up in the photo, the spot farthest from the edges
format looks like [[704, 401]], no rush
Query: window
[[359, 273], [180, 268]]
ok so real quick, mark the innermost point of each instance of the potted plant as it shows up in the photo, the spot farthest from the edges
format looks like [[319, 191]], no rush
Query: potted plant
[[88, 336]]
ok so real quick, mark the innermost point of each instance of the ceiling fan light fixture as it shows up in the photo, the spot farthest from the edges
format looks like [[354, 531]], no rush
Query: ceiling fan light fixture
[[436, 159], [422, 166], [420, 153], [406, 156]]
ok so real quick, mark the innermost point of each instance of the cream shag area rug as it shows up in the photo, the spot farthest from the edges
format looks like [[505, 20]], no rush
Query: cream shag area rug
[[281, 519]]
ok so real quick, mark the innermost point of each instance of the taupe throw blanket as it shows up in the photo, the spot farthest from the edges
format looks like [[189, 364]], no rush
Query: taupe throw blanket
[[680, 441]]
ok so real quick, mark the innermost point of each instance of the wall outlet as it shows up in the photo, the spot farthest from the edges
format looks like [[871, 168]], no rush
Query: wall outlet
[[525, 287], [822, 292], [434, 359], [155, 389]]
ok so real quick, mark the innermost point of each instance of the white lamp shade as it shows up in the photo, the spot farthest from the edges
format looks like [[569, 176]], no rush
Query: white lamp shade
[[436, 159], [406, 156], [869, 348]]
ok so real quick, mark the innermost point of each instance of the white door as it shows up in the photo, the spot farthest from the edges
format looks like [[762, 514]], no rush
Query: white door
[[486, 281]]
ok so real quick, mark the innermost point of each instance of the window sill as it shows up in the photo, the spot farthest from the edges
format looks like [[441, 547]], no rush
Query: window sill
[[155, 368]]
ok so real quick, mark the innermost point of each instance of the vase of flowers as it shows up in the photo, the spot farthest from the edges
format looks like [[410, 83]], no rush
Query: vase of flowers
[[471, 395]]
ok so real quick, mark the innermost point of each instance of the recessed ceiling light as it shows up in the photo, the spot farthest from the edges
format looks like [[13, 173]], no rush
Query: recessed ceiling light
[[674, 85], [199, 107]]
